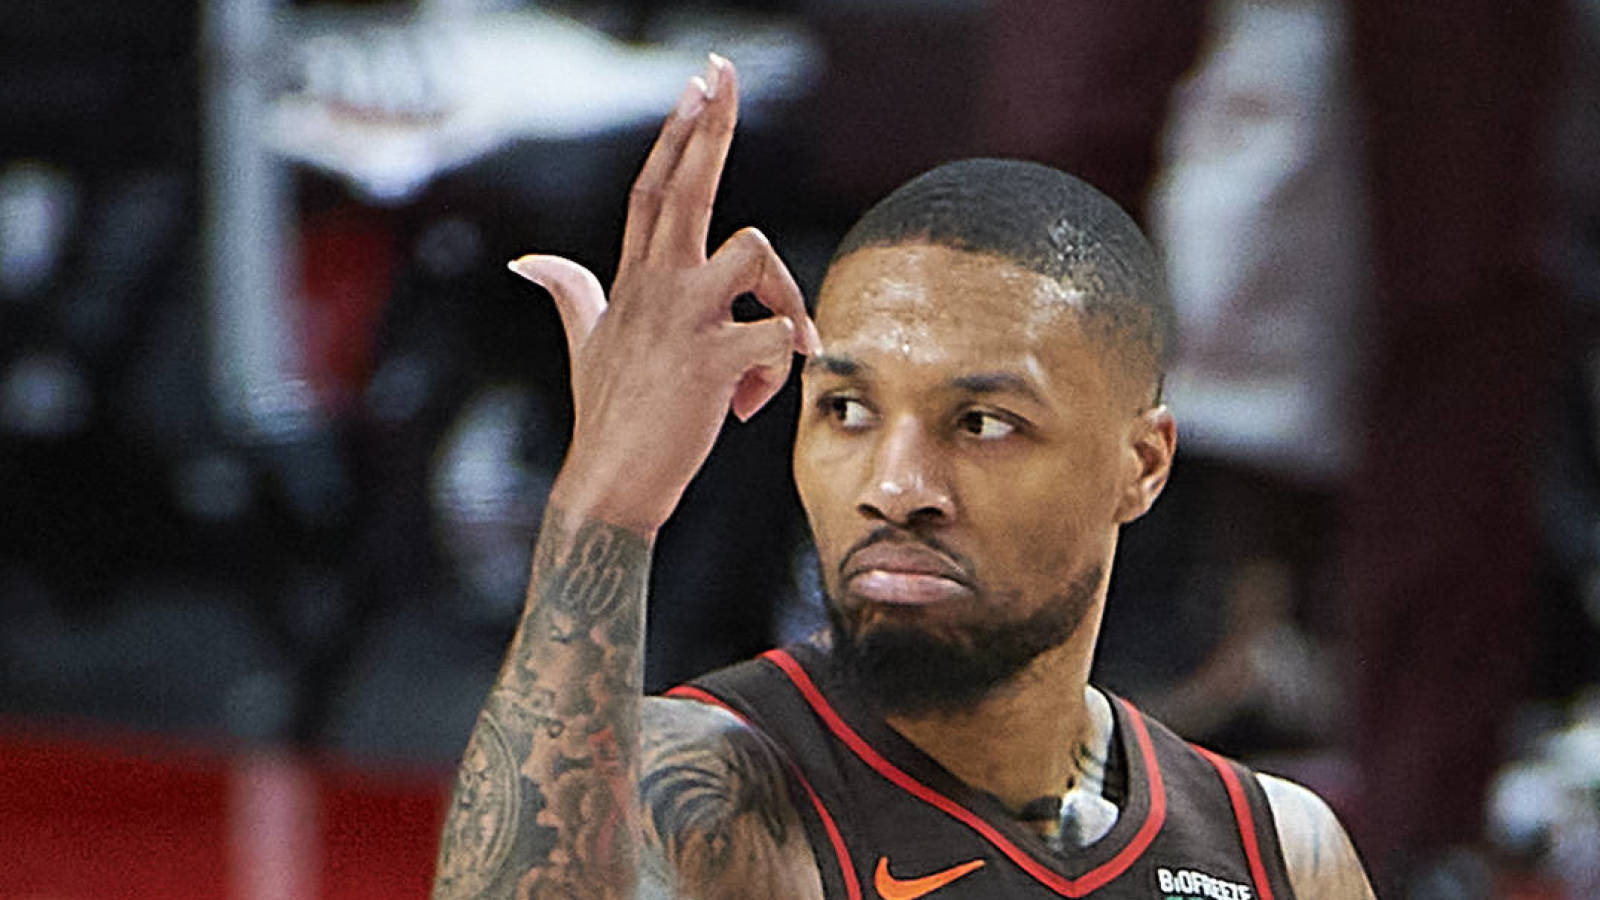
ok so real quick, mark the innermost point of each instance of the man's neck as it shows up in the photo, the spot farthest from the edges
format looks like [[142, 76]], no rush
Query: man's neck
[[1029, 740]]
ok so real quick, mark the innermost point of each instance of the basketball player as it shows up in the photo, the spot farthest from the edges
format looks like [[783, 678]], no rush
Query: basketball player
[[981, 414]]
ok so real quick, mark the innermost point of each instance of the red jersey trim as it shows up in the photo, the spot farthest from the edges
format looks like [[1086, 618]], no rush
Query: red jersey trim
[[1066, 887], [1241, 814], [841, 853]]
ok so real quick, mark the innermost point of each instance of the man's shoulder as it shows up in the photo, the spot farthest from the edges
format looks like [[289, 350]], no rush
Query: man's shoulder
[[721, 714], [1322, 862], [715, 803], [675, 728], [685, 722]]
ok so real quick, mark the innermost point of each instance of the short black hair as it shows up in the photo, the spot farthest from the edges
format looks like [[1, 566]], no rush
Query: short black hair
[[1043, 220]]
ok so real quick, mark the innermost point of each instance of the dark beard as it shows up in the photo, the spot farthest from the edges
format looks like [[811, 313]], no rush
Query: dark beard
[[909, 670]]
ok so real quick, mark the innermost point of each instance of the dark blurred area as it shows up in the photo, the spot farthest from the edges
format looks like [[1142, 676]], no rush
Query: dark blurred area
[[276, 426]]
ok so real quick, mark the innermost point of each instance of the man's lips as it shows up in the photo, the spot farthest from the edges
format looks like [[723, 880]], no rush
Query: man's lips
[[901, 573]]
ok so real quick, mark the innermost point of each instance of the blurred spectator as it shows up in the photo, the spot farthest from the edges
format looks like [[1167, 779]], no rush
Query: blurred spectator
[[1259, 212]]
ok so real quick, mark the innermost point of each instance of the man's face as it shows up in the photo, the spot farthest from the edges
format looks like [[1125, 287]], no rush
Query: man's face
[[965, 456]]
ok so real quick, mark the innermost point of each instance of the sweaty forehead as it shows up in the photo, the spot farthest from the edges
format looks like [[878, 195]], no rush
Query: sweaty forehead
[[922, 295]]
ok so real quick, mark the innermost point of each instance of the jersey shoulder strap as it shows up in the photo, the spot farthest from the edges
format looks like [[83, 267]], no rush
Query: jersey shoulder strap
[[1209, 788]]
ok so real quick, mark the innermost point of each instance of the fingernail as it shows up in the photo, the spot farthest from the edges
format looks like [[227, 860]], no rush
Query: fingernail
[[814, 337], [521, 267], [693, 98], [714, 67]]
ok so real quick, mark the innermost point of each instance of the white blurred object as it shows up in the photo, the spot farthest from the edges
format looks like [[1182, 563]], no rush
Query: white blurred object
[[1259, 212], [445, 9], [1575, 844], [486, 497], [37, 207], [247, 227], [1550, 804], [388, 108], [1522, 799]]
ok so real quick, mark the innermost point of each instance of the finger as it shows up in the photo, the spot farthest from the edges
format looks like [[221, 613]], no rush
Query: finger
[[644, 201], [685, 214], [746, 262], [756, 388], [761, 352], [579, 297]]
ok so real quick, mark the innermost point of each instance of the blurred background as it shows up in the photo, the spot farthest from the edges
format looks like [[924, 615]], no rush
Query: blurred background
[[276, 426]]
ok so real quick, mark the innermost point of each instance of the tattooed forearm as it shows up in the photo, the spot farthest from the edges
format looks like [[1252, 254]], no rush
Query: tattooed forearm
[[544, 804]]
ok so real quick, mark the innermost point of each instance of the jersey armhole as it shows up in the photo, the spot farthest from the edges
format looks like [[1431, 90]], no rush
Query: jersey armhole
[[1252, 814]]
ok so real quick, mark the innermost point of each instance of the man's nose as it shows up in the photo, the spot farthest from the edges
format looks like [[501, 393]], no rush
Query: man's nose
[[907, 484]]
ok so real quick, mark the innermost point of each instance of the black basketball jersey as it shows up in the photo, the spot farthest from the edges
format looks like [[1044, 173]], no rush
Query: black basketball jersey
[[887, 822]]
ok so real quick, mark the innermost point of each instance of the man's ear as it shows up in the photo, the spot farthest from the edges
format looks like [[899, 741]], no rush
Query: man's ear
[[1152, 441]]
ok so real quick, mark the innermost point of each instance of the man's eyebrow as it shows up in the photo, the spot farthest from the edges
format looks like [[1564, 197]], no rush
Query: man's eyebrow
[[996, 383], [835, 364]]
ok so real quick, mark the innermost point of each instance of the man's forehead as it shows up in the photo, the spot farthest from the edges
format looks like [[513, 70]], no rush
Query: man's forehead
[[932, 282], [943, 300], [929, 315]]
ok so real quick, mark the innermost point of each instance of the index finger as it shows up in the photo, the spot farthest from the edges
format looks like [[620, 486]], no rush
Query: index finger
[[685, 217], [650, 187]]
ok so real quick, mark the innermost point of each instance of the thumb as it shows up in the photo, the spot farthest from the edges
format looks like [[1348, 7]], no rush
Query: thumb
[[579, 297]]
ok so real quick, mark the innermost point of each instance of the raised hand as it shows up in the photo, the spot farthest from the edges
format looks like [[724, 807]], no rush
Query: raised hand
[[655, 370], [546, 805]]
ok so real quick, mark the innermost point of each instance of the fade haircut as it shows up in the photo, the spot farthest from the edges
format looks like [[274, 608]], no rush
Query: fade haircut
[[1047, 222]]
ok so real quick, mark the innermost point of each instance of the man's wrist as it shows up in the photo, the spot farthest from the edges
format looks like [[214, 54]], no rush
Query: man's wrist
[[583, 496]]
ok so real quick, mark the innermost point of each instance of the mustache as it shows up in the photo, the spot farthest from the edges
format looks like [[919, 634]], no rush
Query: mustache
[[889, 534]]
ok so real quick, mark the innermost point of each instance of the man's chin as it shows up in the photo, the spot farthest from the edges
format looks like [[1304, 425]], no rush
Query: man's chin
[[908, 671], [911, 664]]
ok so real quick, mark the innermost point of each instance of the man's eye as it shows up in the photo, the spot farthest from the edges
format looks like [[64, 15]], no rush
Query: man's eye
[[848, 412], [986, 426]]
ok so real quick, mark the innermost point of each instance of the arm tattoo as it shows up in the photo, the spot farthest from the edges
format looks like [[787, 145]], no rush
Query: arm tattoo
[[717, 809], [544, 800]]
